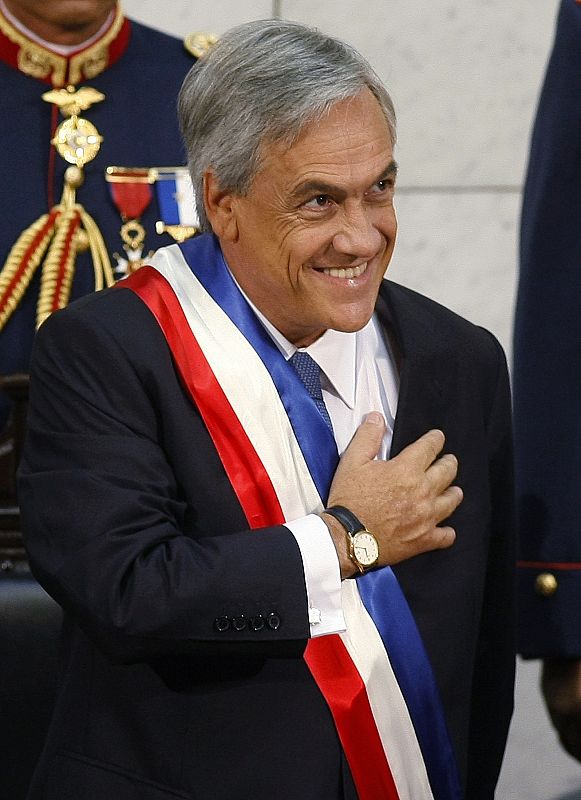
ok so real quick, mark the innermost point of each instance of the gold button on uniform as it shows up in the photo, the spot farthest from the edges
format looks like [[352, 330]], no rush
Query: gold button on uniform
[[546, 584]]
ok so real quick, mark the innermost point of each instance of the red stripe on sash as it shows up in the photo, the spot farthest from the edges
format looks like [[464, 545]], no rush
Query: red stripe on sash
[[344, 690], [246, 472], [326, 656]]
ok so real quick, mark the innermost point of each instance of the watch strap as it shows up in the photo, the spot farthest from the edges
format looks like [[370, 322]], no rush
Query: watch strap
[[347, 519]]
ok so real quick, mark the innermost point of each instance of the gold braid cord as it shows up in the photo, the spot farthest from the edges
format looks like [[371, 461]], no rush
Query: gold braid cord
[[59, 267], [101, 264], [58, 233], [22, 262]]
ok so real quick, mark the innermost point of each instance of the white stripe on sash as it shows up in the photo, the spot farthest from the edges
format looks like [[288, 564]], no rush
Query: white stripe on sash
[[388, 706]]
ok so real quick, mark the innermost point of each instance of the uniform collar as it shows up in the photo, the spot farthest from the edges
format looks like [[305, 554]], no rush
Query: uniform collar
[[29, 55]]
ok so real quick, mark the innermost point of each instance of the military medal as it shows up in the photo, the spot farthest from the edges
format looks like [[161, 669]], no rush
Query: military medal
[[131, 192], [177, 204], [55, 238]]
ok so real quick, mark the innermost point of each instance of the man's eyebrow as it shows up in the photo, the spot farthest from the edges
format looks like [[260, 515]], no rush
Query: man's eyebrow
[[316, 187], [390, 170], [312, 188]]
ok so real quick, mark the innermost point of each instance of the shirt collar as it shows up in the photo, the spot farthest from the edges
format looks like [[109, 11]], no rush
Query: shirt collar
[[339, 372]]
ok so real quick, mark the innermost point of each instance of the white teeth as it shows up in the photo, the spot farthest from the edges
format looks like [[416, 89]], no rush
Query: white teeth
[[346, 272]]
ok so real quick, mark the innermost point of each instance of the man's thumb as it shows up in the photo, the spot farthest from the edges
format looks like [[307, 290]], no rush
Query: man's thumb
[[366, 442]]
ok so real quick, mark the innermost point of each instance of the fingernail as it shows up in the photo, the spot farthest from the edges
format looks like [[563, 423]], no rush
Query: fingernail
[[374, 418]]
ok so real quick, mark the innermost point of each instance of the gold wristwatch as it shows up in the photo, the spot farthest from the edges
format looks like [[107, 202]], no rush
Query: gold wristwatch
[[362, 546]]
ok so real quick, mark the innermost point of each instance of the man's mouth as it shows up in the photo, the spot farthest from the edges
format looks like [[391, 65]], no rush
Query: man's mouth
[[346, 272]]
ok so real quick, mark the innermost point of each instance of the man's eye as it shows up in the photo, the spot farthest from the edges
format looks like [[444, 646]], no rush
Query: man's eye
[[381, 189], [320, 201], [383, 186]]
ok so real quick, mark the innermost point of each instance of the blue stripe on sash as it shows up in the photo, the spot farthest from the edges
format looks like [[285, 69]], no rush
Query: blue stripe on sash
[[384, 600], [206, 261], [379, 590]]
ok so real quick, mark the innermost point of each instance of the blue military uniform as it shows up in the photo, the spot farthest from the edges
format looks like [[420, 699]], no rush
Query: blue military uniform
[[547, 360], [139, 71]]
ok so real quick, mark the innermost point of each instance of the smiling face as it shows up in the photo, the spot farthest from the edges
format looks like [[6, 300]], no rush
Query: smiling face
[[310, 241]]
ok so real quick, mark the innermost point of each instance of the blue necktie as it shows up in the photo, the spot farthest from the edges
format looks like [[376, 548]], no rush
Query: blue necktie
[[310, 374]]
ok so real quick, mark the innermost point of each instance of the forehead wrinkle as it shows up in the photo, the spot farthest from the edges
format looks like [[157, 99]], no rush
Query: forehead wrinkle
[[330, 155], [331, 135], [341, 149]]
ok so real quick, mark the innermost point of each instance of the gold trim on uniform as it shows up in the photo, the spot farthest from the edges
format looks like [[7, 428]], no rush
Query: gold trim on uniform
[[92, 61], [198, 44], [137, 174], [34, 59], [76, 139], [546, 584], [38, 62], [72, 101], [53, 241]]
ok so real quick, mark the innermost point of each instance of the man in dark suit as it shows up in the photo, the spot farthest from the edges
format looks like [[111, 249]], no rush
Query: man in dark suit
[[547, 383], [233, 626]]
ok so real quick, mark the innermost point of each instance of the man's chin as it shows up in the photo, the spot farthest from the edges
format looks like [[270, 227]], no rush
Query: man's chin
[[353, 322]]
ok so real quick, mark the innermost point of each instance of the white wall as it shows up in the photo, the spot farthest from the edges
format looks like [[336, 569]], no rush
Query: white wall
[[464, 76]]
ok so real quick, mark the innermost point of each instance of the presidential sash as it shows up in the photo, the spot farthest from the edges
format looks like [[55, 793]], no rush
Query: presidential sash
[[280, 457]]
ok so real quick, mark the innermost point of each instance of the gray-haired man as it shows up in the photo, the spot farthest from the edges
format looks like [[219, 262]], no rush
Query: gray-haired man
[[233, 625]]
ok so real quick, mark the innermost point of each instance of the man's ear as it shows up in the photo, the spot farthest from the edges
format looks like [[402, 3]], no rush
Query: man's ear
[[220, 208]]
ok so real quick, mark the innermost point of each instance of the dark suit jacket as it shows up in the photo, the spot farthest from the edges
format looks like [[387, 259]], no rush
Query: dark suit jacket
[[132, 525]]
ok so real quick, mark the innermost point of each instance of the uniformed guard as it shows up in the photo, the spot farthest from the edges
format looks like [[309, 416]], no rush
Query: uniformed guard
[[546, 380], [84, 129]]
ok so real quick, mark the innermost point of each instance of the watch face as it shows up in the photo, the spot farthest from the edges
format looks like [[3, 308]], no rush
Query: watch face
[[365, 548]]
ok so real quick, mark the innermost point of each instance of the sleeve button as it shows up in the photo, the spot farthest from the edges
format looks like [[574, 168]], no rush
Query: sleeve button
[[257, 622], [239, 622], [546, 584], [273, 621], [221, 624]]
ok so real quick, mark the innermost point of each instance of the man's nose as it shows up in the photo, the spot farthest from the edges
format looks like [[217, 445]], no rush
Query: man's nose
[[358, 235]]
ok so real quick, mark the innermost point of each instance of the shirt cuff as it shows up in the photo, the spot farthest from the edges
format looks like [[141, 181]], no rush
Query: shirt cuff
[[322, 574]]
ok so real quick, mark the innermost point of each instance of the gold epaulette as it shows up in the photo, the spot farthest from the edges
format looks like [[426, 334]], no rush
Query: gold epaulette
[[198, 44]]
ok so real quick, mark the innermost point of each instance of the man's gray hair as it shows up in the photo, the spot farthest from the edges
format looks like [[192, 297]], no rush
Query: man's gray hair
[[263, 83]]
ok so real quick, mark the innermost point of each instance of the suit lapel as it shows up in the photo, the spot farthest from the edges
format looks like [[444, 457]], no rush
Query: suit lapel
[[427, 379]]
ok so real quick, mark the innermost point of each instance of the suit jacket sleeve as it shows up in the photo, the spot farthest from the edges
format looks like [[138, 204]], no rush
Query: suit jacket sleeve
[[115, 510], [547, 348]]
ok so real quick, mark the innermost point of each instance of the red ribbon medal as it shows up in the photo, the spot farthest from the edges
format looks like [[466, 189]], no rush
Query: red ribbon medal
[[131, 190]]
